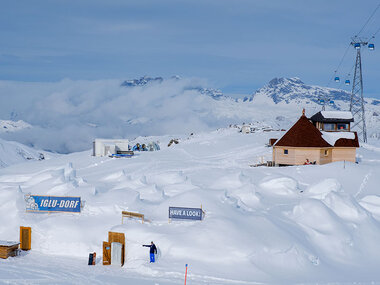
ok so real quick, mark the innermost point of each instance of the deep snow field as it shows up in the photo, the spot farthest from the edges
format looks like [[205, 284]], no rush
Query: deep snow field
[[302, 224]]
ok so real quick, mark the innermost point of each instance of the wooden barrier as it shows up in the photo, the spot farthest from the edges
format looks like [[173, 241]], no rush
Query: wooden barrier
[[106, 253], [125, 214], [26, 238]]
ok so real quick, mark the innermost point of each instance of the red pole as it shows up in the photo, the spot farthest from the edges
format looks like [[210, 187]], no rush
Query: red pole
[[186, 274]]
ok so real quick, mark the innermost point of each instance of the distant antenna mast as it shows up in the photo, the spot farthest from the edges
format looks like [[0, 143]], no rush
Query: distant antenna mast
[[357, 100]]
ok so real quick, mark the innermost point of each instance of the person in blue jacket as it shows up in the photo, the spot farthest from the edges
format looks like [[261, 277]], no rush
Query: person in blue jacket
[[136, 147], [152, 250]]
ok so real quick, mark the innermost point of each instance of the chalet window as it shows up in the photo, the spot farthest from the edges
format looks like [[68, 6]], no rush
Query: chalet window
[[342, 127], [285, 151], [326, 152], [329, 127]]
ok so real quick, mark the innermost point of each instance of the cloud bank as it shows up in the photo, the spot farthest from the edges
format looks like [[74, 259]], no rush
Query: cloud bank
[[67, 115]]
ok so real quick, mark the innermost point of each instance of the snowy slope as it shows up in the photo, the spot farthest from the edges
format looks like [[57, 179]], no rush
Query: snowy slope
[[262, 225], [14, 153]]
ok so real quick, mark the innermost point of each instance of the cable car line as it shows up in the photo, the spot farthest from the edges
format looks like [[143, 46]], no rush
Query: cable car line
[[370, 17]]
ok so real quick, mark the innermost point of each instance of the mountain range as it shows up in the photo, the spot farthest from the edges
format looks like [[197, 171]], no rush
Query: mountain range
[[66, 116]]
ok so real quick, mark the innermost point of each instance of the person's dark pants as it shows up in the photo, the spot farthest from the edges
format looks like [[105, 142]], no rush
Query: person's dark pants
[[152, 257]]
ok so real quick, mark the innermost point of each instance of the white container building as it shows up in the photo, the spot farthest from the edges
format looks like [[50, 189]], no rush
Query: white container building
[[106, 147]]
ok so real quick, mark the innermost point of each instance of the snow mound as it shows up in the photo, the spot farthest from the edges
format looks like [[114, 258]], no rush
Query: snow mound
[[326, 186], [371, 203], [282, 186], [323, 228]]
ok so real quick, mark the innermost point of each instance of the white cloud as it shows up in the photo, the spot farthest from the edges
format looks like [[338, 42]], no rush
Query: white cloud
[[68, 115]]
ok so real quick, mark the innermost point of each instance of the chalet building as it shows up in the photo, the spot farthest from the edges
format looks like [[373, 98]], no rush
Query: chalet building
[[324, 138]]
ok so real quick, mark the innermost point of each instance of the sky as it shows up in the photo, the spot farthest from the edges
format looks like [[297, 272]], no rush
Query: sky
[[236, 45]]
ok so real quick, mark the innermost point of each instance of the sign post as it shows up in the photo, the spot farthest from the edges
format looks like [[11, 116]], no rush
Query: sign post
[[37, 203], [186, 213]]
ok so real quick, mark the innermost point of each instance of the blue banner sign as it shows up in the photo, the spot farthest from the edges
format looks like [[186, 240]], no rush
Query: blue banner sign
[[36, 203], [185, 213]]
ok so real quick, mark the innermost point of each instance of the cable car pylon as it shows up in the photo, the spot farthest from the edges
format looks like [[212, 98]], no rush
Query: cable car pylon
[[357, 100]]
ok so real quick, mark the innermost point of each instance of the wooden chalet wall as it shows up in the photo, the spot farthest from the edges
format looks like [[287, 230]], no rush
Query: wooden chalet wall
[[344, 153], [298, 155]]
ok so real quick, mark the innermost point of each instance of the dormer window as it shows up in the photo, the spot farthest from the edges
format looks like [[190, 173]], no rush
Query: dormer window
[[332, 121], [342, 127], [328, 127]]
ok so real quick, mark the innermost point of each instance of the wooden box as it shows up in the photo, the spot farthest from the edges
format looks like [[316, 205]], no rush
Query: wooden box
[[8, 248]]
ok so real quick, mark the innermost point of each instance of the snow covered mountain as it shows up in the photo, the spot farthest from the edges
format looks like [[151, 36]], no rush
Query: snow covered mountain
[[293, 94], [145, 80], [294, 90], [66, 116], [13, 126]]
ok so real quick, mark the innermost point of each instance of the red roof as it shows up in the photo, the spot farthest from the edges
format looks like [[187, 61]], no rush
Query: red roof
[[304, 134]]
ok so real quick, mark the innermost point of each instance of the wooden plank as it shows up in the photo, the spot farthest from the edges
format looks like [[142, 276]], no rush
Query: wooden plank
[[106, 253]]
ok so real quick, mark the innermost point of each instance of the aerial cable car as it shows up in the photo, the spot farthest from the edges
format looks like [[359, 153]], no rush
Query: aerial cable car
[[357, 45], [337, 79], [322, 101], [371, 46], [331, 102], [347, 82]]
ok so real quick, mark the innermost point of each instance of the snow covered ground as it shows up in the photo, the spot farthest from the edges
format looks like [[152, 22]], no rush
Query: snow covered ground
[[13, 153], [302, 224]]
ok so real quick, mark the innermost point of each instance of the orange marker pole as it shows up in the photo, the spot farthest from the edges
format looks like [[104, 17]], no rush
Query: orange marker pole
[[186, 274]]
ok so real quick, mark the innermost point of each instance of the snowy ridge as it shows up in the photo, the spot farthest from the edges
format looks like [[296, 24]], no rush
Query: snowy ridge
[[293, 90]]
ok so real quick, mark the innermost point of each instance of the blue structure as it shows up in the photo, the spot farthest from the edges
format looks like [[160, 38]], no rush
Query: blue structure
[[357, 45], [371, 46], [347, 82], [337, 79]]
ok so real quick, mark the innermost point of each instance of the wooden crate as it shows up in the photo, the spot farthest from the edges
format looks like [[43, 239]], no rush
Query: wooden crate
[[25, 238], [106, 253], [8, 249], [118, 237]]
